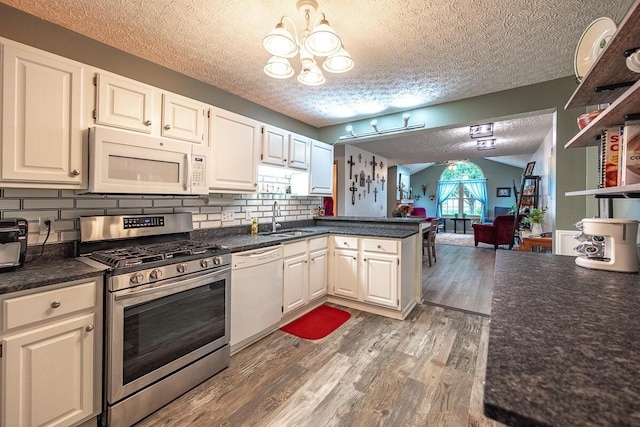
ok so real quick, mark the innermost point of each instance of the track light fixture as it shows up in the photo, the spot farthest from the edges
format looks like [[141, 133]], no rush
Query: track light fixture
[[405, 119], [486, 144], [481, 131], [378, 131]]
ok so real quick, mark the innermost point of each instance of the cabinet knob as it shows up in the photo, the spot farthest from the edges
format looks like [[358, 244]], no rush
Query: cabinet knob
[[379, 247], [284, 160], [55, 304], [75, 172], [89, 328], [167, 127], [255, 184], [147, 123]]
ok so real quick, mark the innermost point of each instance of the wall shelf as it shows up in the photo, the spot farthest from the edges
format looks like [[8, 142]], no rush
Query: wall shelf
[[628, 103], [610, 68], [626, 191]]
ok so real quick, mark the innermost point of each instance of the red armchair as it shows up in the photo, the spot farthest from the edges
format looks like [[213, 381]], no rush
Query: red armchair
[[498, 233]]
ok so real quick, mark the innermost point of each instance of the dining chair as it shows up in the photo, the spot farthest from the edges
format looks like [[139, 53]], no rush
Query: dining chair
[[429, 241]]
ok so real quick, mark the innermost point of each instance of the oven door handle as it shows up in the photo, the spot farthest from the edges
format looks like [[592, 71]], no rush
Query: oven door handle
[[168, 287]]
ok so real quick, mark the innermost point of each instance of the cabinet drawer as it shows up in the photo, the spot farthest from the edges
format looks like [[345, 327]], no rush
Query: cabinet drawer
[[344, 242], [295, 248], [378, 245], [39, 306], [318, 243]]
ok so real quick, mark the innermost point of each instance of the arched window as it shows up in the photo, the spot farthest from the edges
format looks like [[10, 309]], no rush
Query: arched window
[[462, 190]]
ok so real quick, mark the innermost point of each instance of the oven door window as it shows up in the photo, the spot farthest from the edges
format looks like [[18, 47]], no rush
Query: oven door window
[[163, 330]]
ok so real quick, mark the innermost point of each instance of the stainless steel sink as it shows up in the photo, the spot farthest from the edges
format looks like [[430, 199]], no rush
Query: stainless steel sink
[[287, 233]]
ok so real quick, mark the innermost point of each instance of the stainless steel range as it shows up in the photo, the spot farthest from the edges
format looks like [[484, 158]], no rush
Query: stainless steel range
[[167, 309]]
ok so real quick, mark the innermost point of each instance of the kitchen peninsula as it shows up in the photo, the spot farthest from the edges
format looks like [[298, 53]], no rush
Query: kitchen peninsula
[[564, 348]]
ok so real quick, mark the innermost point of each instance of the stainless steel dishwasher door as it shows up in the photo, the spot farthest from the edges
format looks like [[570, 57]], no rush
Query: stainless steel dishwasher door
[[256, 294]]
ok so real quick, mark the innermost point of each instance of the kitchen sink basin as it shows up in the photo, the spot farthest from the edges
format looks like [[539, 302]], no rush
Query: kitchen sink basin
[[287, 233]]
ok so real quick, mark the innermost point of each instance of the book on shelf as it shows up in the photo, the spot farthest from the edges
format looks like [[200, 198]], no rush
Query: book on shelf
[[630, 154], [609, 156]]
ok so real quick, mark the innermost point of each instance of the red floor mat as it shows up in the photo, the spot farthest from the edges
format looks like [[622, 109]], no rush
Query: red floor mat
[[318, 323]]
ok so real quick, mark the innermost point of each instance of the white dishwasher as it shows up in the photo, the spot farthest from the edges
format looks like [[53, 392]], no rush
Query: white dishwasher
[[256, 294]]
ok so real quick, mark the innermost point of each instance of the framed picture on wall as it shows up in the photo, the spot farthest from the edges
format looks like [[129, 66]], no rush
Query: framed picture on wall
[[529, 169], [503, 192]]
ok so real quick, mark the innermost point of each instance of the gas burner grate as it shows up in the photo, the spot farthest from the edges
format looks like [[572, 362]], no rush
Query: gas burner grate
[[136, 255]]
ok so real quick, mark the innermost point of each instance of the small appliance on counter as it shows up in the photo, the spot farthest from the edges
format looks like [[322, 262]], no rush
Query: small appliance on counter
[[13, 243], [608, 244]]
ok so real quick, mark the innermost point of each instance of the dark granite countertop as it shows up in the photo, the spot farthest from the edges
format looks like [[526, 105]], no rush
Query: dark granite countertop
[[245, 242], [65, 268], [43, 272], [365, 219], [564, 344]]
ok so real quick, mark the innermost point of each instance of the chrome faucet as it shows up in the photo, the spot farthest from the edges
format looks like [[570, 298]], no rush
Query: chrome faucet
[[276, 211]]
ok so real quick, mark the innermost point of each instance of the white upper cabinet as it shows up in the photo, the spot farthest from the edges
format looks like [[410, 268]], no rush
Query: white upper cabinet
[[182, 118], [321, 175], [274, 146], [127, 104], [298, 152], [124, 103], [235, 146], [282, 148], [42, 127]]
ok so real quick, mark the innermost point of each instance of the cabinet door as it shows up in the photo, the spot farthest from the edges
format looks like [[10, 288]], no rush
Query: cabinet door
[[345, 273], [49, 374], [321, 175], [317, 274], [182, 118], [295, 285], [124, 103], [298, 152], [235, 143], [380, 279], [41, 119], [274, 146]]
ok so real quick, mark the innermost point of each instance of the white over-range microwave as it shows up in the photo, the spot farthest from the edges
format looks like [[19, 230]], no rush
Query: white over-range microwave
[[122, 162]]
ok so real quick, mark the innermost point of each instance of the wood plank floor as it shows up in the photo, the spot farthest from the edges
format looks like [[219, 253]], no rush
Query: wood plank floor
[[427, 370], [461, 279]]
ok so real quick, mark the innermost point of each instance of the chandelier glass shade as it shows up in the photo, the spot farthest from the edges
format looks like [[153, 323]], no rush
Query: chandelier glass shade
[[322, 42]]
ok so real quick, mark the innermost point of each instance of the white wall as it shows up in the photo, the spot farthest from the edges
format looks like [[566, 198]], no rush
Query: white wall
[[545, 165], [366, 203]]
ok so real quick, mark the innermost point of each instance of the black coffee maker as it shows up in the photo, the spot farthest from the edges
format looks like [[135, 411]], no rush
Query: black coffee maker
[[13, 243]]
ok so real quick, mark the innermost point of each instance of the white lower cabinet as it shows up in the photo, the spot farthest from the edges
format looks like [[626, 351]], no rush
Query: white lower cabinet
[[295, 289], [318, 267], [305, 272], [374, 274], [380, 279], [52, 355]]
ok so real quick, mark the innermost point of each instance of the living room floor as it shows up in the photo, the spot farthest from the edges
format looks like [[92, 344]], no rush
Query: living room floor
[[461, 279]]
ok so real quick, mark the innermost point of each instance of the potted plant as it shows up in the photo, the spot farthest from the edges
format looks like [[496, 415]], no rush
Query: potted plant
[[536, 218], [404, 210]]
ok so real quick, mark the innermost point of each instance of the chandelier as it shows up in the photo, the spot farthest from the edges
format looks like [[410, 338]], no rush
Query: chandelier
[[322, 41]]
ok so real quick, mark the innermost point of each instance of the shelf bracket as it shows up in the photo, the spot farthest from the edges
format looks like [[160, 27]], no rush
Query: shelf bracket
[[613, 86]]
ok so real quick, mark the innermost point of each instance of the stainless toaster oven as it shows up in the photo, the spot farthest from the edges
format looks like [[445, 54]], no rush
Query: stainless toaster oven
[[13, 243]]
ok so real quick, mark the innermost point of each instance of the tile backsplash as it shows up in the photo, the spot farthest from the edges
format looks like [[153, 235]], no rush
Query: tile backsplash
[[65, 207]]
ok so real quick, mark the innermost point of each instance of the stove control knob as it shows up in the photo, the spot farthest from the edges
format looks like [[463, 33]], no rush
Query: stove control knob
[[155, 274], [207, 262], [217, 260], [182, 268], [136, 278]]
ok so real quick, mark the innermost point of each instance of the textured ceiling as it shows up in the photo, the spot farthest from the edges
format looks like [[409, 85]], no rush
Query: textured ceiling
[[416, 51], [516, 139]]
